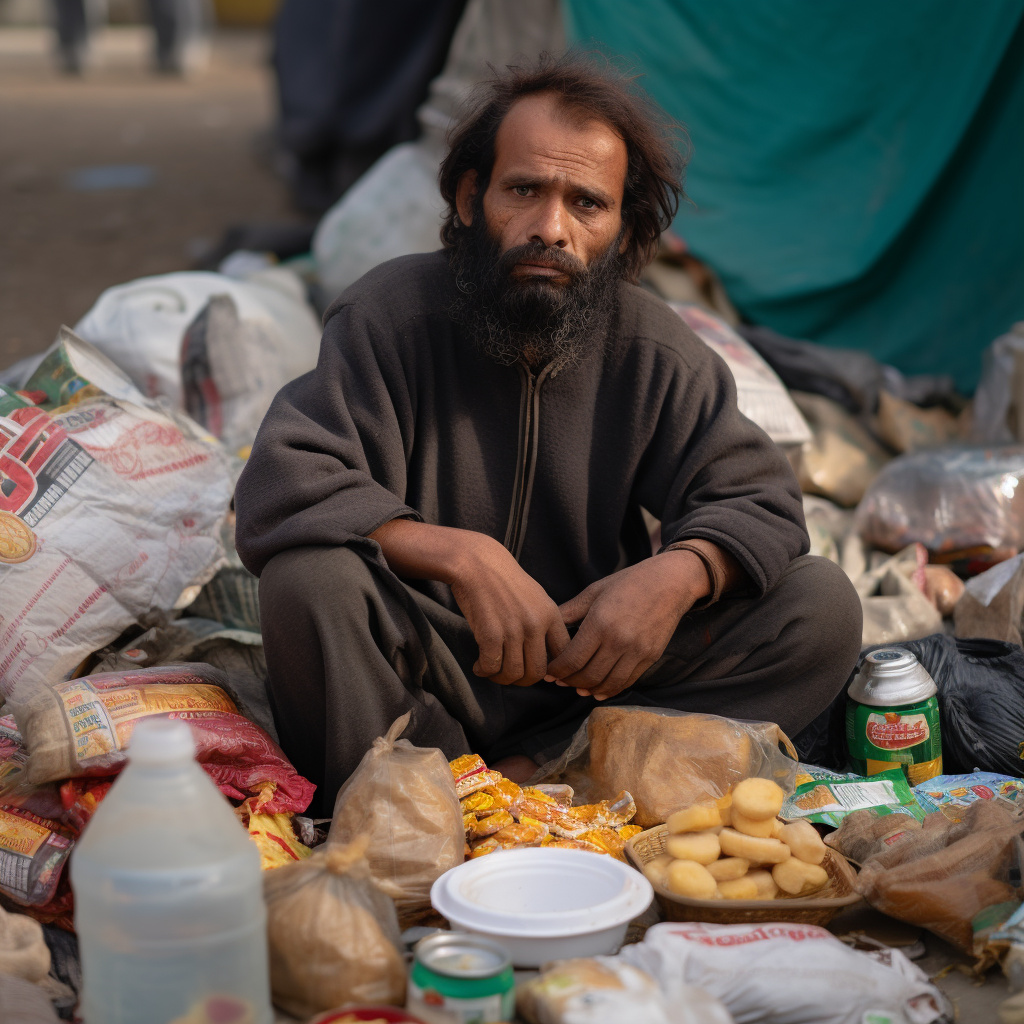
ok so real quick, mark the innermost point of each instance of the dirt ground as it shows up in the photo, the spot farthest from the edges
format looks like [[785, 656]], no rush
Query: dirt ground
[[59, 248]]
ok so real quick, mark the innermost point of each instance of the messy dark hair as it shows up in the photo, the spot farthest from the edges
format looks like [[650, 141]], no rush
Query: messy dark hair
[[589, 87]]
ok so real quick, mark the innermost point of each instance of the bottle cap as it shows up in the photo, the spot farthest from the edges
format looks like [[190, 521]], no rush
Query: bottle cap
[[891, 677], [157, 741]]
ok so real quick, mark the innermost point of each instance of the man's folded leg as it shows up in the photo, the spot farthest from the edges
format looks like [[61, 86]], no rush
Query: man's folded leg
[[349, 650]]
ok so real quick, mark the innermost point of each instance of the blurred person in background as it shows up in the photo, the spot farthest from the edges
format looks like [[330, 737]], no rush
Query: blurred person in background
[[350, 76], [180, 27]]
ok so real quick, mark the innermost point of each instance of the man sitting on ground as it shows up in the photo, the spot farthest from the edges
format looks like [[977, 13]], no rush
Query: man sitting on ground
[[446, 513]]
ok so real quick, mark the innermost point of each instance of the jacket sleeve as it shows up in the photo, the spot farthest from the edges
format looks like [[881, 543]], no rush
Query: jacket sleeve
[[329, 462], [711, 473]]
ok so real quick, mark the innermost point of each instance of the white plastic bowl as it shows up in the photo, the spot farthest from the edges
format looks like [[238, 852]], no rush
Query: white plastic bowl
[[544, 905]]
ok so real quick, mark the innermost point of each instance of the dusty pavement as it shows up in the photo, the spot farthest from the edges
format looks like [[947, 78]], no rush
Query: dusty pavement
[[59, 248]]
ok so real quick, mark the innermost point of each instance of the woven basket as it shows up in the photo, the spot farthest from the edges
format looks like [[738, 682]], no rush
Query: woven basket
[[818, 909]]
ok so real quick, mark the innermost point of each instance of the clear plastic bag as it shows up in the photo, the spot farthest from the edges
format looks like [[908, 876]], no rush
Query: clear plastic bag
[[668, 759], [403, 798], [333, 935], [604, 988], [939, 874], [955, 501]]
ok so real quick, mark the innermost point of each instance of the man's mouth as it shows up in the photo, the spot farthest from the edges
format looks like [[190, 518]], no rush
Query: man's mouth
[[539, 268]]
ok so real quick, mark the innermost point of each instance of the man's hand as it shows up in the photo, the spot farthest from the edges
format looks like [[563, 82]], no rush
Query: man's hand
[[628, 619], [517, 627]]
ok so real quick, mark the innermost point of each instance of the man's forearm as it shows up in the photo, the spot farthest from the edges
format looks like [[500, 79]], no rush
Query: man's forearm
[[724, 572], [420, 551]]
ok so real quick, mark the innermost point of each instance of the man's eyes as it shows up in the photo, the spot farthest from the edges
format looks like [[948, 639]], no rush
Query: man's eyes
[[585, 202]]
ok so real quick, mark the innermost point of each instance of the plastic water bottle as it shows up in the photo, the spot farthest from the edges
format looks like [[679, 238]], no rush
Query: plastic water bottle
[[168, 896]]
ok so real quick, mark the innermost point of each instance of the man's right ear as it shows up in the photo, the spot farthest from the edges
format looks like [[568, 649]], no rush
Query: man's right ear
[[465, 193]]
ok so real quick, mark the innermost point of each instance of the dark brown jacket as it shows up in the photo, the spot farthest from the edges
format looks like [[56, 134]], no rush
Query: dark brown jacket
[[403, 417]]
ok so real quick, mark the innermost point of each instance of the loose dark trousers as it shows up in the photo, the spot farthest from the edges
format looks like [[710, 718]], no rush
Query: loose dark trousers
[[348, 652]]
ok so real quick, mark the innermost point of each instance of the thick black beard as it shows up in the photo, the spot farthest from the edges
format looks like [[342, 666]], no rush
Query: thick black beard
[[534, 321]]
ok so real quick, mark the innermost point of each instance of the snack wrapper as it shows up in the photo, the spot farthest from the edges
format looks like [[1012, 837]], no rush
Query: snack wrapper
[[953, 794], [826, 798]]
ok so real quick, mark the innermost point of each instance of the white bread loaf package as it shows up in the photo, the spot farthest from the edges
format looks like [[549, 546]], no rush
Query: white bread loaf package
[[669, 759]]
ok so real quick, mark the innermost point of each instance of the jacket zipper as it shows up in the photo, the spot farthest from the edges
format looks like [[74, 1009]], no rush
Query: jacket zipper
[[526, 458]]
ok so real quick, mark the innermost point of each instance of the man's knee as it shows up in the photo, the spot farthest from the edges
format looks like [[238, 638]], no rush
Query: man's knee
[[825, 611], [299, 580]]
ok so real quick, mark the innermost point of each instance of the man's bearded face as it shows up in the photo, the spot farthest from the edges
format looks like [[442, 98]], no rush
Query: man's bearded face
[[534, 319]]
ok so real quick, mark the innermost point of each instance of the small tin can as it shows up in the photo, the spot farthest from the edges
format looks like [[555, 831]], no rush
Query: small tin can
[[461, 979], [892, 717]]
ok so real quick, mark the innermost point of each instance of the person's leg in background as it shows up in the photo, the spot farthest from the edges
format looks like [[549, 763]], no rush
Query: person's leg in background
[[181, 30], [75, 21], [349, 83]]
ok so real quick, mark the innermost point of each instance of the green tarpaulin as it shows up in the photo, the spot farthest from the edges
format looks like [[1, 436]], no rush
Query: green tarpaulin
[[857, 175]]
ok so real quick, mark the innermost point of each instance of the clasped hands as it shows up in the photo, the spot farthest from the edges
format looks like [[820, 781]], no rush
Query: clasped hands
[[625, 620]]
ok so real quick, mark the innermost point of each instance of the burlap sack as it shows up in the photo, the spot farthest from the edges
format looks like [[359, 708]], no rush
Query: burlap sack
[[403, 798], [333, 936], [669, 759]]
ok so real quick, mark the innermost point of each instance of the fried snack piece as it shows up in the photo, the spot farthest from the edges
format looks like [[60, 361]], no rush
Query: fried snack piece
[[489, 825], [762, 829], [766, 887], [727, 869], [529, 833], [757, 798], [612, 813], [803, 839], [695, 818], [561, 821], [797, 878], [467, 764], [607, 840], [757, 851], [492, 797], [688, 878], [550, 842], [466, 772], [561, 794], [738, 889], [473, 783], [702, 847], [656, 869]]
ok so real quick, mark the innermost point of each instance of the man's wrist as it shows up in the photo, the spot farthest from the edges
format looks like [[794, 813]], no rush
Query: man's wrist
[[690, 580]]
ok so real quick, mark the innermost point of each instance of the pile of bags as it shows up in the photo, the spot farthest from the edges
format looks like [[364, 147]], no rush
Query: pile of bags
[[119, 449]]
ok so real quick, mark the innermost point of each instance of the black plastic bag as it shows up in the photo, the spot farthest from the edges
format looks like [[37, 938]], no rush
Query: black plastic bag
[[981, 700]]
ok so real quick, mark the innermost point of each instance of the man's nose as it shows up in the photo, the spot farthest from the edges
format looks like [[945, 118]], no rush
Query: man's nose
[[550, 224]]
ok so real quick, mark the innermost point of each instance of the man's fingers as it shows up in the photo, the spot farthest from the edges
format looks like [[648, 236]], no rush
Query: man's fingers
[[577, 607], [595, 672], [617, 679], [512, 663], [535, 654], [557, 638], [575, 655], [488, 663]]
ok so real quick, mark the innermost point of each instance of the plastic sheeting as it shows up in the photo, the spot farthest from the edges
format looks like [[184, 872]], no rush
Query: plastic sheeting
[[856, 167]]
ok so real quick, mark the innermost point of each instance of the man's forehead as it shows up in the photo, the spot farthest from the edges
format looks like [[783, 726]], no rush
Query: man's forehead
[[539, 132]]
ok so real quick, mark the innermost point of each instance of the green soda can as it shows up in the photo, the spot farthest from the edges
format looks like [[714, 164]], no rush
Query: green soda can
[[461, 979], [892, 718]]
